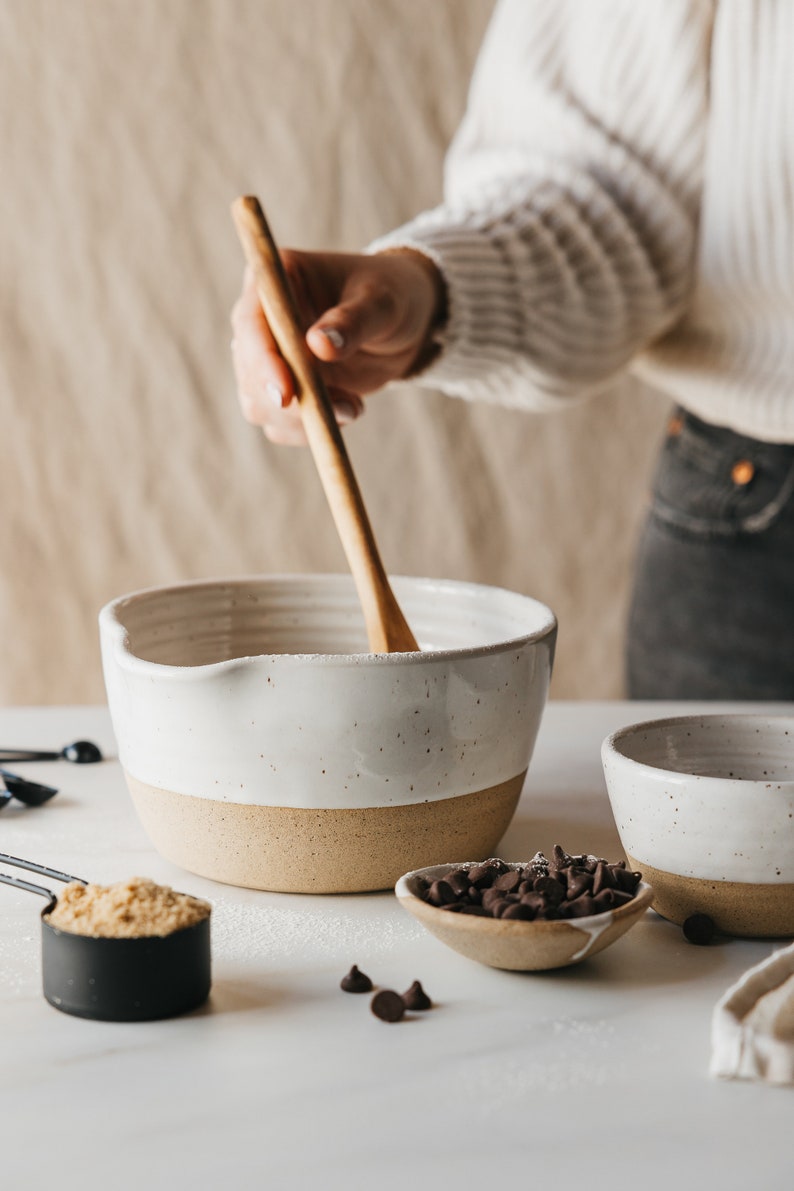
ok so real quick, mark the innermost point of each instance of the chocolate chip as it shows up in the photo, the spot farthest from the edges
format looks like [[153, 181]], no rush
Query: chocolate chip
[[388, 1005], [602, 878], [559, 857], [490, 897], [624, 879], [458, 882], [498, 908], [581, 907], [519, 911], [699, 929], [441, 893], [508, 881], [578, 883], [416, 999], [610, 899], [355, 982], [549, 888]]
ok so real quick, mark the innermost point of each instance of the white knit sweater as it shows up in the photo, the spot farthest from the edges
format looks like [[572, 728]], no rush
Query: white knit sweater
[[621, 194]]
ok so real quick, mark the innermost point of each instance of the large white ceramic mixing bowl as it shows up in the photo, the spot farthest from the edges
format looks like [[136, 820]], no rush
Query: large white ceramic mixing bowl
[[263, 746]]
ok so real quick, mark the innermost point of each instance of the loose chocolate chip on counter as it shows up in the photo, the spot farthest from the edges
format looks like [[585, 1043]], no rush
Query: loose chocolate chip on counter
[[355, 982], [388, 1005], [416, 999], [699, 929]]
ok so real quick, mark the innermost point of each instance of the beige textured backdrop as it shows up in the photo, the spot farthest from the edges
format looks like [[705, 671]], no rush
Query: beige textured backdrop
[[126, 127]]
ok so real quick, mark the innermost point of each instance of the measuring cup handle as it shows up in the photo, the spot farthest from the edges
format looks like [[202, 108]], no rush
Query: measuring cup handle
[[41, 869], [29, 887]]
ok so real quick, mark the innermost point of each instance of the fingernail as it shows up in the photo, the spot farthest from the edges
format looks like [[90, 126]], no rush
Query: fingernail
[[334, 337], [275, 394], [345, 412]]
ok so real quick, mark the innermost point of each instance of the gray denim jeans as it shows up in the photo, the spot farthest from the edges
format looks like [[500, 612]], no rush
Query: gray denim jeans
[[712, 615]]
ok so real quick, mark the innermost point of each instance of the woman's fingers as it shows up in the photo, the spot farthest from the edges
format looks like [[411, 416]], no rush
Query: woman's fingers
[[264, 381], [286, 429], [367, 318]]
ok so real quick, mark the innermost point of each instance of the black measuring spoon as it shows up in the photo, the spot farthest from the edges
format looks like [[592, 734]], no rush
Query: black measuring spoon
[[139, 979], [23, 789]]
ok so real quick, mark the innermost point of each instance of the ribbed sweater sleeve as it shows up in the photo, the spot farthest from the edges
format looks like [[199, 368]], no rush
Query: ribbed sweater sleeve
[[567, 232]]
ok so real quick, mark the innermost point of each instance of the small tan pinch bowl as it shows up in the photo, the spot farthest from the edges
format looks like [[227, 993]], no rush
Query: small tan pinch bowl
[[514, 945], [704, 806], [264, 746]]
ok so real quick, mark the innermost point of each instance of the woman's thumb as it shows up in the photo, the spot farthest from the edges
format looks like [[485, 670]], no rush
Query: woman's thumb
[[346, 328]]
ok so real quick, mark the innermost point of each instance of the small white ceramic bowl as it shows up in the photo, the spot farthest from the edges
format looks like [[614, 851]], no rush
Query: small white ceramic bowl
[[263, 746], [704, 805], [515, 945]]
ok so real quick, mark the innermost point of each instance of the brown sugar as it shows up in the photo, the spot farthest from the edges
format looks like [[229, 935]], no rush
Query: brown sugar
[[138, 908]]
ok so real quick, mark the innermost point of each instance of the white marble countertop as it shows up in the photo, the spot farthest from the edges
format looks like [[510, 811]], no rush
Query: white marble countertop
[[597, 1073]]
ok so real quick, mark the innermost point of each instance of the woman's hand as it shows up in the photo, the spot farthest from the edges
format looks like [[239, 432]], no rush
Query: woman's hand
[[368, 320]]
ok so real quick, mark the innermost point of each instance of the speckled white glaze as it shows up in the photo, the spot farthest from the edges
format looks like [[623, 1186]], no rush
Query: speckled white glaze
[[259, 691], [709, 797]]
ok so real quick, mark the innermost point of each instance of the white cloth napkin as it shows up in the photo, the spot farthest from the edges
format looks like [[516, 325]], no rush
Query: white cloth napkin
[[752, 1029]]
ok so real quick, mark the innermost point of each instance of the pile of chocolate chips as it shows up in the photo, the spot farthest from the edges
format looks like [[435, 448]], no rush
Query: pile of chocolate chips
[[562, 887]]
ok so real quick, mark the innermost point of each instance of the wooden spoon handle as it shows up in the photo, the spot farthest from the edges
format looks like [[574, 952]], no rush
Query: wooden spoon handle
[[387, 629]]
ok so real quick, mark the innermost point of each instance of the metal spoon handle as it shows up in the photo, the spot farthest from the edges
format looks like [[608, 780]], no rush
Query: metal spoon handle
[[41, 869], [27, 755]]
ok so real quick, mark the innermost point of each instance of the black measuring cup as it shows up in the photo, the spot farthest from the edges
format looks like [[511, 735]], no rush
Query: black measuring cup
[[139, 979]]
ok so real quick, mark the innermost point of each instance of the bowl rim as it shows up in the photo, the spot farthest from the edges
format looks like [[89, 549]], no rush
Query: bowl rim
[[114, 631], [611, 751], [643, 897]]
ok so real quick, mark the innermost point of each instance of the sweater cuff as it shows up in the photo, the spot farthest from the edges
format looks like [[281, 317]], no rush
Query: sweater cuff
[[469, 362], [450, 338]]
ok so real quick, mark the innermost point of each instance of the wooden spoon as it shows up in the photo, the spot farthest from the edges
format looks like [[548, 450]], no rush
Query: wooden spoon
[[387, 628]]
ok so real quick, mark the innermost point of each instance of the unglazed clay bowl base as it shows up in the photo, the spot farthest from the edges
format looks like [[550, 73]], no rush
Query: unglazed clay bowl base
[[736, 907], [265, 747], [295, 850], [704, 806], [514, 945]]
